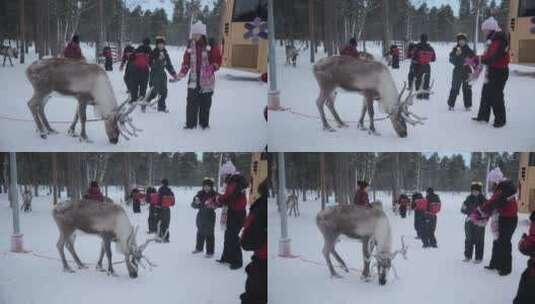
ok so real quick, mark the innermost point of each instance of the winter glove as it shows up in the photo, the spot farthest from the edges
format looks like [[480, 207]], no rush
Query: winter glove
[[196, 203]]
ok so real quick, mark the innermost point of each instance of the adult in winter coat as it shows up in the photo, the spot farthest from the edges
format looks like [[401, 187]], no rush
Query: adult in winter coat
[[419, 205], [201, 60], [159, 63], [394, 54], [361, 196], [504, 202], [108, 58], [526, 288], [93, 192], [234, 197], [458, 57], [141, 70], [73, 50], [412, 68], [254, 238], [474, 225], [403, 202], [430, 219], [205, 201], [128, 61], [424, 54], [152, 198], [496, 58], [350, 49], [166, 199], [137, 196]]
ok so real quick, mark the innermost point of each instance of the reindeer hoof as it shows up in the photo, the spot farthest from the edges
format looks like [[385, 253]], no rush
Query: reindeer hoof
[[374, 132], [366, 278], [52, 131], [342, 125], [361, 126], [68, 269], [99, 268], [86, 140], [112, 273], [329, 129], [82, 266], [72, 133], [336, 276]]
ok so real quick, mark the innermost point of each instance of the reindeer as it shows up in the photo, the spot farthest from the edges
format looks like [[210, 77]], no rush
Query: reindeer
[[293, 204], [291, 55], [8, 52], [90, 85], [371, 79], [369, 225], [105, 219]]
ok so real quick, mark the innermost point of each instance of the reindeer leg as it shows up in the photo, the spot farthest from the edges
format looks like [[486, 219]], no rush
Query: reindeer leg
[[82, 107], [72, 128], [101, 257], [320, 102], [366, 254], [339, 259], [362, 114], [70, 247], [33, 104], [43, 116], [61, 249], [330, 105], [371, 114], [328, 247], [107, 245]]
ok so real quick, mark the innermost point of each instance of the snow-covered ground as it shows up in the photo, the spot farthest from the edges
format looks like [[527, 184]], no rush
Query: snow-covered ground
[[443, 129], [236, 119], [180, 276], [427, 276]]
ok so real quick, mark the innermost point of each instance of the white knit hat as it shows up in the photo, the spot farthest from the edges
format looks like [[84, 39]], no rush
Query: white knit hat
[[490, 25], [198, 28]]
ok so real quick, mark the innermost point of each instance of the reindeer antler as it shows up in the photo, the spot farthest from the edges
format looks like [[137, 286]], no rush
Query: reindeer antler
[[124, 120]]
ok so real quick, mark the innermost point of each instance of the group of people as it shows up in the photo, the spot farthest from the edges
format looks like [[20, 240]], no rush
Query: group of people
[[146, 67], [426, 210]]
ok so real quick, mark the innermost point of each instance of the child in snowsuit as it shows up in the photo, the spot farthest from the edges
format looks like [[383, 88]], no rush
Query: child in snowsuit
[[430, 218], [137, 197], [151, 197], [410, 55], [361, 196], [159, 63], [108, 58], [394, 55], [141, 70], [206, 202], [419, 205], [201, 60], [458, 57], [474, 226], [166, 199], [93, 193], [403, 202], [526, 287], [128, 61], [254, 238], [496, 58], [424, 54]]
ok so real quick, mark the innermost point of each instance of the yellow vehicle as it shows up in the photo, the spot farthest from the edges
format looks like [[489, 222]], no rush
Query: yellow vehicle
[[238, 52], [522, 31], [526, 183]]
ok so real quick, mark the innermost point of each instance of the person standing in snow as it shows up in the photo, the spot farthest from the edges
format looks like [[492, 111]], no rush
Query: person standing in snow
[[254, 238], [205, 201], [403, 202], [424, 54], [458, 57], [159, 63], [526, 287], [350, 49], [128, 61], [410, 55], [419, 205], [201, 60], [361, 196], [474, 225], [394, 54], [166, 200], [236, 201], [73, 50], [152, 198], [504, 202], [141, 70], [93, 192], [430, 218], [108, 58], [496, 58], [137, 197]]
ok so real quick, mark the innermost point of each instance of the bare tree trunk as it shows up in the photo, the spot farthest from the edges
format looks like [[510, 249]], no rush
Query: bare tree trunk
[[127, 175], [395, 178], [323, 189], [55, 178], [386, 26], [74, 175], [311, 30], [22, 28]]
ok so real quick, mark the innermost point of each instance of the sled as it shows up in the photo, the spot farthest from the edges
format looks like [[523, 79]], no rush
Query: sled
[[254, 78]]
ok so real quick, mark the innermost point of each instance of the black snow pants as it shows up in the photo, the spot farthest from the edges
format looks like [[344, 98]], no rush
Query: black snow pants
[[474, 240], [140, 82], [205, 231], [526, 287], [395, 62], [403, 211], [153, 218], [108, 64], [423, 77], [232, 249], [411, 76], [158, 83], [165, 218], [198, 109], [459, 80], [136, 207], [502, 258], [492, 96], [418, 223], [428, 235], [256, 284]]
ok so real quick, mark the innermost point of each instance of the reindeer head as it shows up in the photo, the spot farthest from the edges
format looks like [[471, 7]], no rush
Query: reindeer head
[[118, 123], [401, 115], [384, 261], [134, 255]]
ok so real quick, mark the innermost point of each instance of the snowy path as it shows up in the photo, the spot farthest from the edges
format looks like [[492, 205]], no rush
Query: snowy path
[[237, 122], [179, 278], [428, 275], [444, 130]]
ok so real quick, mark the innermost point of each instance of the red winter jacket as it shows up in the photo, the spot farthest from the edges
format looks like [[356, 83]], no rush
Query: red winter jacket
[[404, 201], [254, 234], [361, 198], [154, 198], [350, 50], [527, 246], [214, 58], [235, 201], [507, 209], [421, 205], [497, 54], [94, 194], [73, 51]]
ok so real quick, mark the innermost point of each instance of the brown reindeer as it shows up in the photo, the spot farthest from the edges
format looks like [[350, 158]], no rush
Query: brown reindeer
[[89, 84], [369, 78], [105, 219], [369, 225]]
